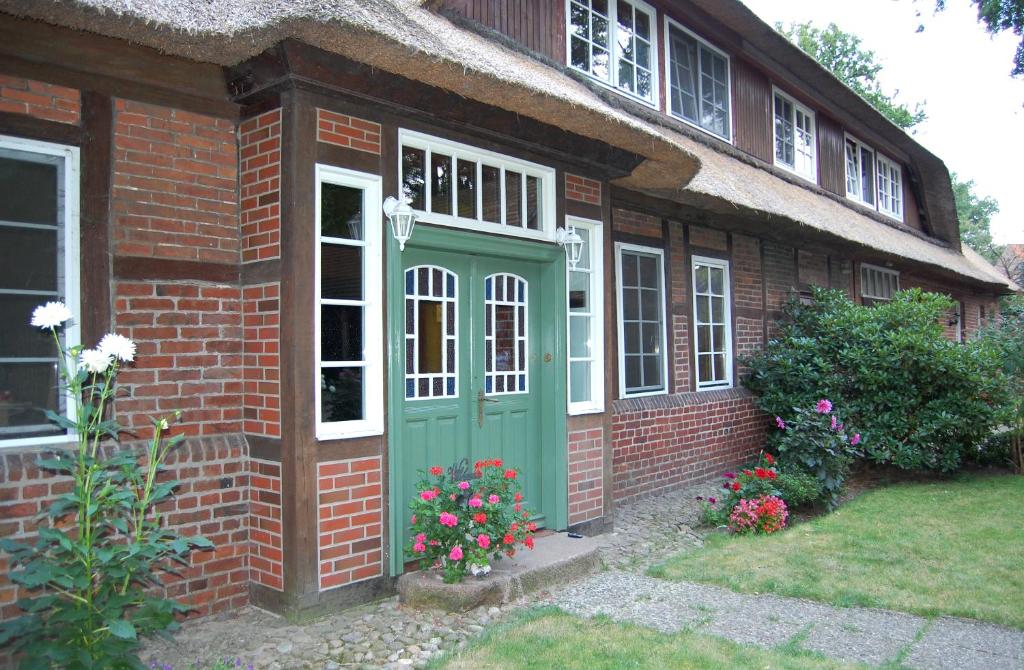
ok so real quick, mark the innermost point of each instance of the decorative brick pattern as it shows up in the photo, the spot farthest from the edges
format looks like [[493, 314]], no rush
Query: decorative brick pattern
[[266, 562], [261, 318], [188, 336], [350, 521], [39, 99], [586, 475], [582, 189], [346, 131], [260, 163], [174, 193], [706, 238], [813, 268], [212, 500], [665, 441], [679, 290], [747, 283], [634, 223]]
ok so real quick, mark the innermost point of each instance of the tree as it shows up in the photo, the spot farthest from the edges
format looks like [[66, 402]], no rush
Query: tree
[[975, 214], [841, 53], [1000, 15]]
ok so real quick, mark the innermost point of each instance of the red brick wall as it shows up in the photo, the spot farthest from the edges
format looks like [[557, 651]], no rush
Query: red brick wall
[[679, 315], [39, 99], [188, 336], [261, 317], [347, 131], [747, 296], [586, 475], [665, 441], [634, 223], [174, 193], [351, 521], [260, 164], [213, 500], [813, 268], [707, 238], [267, 558], [582, 189]]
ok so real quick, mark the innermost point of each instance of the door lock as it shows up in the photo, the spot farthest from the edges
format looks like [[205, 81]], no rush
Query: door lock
[[480, 400]]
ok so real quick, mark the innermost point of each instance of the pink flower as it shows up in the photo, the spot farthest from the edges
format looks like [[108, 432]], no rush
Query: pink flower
[[419, 547], [448, 519], [452, 497], [413, 519], [712, 500], [456, 553], [475, 502], [483, 540], [463, 485], [493, 499], [429, 494], [824, 406], [834, 422], [780, 423], [855, 440], [421, 537], [729, 475]]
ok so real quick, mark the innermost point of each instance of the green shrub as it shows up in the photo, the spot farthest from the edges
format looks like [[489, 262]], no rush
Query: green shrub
[[798, 488], [920, 400], [816, 441], [1007, 340]]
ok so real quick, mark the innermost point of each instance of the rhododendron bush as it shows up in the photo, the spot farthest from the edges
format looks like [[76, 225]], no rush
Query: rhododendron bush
[[462, 518]]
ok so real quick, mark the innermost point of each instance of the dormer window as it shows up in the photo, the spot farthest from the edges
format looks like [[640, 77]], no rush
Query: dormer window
[[873, 180], [794, 137], [614, 42], [698, 82]]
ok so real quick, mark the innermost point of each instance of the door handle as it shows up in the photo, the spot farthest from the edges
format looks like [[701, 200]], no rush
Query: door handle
[[480, 400]]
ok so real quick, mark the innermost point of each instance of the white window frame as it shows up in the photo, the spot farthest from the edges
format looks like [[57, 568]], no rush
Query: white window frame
[[672, 23], [613, 50], [445, 300], [727, 315], [886, 163], [456, 150], [811, 176], [868, 268], [71, 288], [595, 253], [621, 247], [372, 422]]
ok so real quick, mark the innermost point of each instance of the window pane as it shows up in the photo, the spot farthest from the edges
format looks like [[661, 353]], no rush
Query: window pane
[[579, 337], [341, 272], [341, 394], [467, 189], [513, 199], [867, 166], [30, 259], [584, 263], [703, 309], [504, 338], [599, 30], [25, 390], [440, 184], [631, 333], [683, 74], [491, 194], [579, 21], [652, 370], [701, 279], [579, 381], [17, 338], [533, 203], [650, 307], [28, 188], [430, 339], [341, 212], [633, 372], [717, 280], [599, 64], [413, 176], [630, 304], [580, 53], [648, 271], [341, 333], [579, 292]]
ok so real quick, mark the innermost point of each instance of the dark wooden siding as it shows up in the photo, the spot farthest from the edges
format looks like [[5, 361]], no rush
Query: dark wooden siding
[[539, 25], [831, 155], [752, 103], [911, 213]]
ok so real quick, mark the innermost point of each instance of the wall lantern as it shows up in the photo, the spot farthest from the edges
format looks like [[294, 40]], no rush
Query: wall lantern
[[402, 218], [572, 243]]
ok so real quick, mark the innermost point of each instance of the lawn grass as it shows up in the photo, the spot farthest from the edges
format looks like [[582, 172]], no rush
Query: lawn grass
[[951, 547], [548, 638]]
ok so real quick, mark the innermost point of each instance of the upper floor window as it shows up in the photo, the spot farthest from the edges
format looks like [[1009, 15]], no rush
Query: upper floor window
[[643, 366], [39, 235], [890, 188], [614, 42], [860, 172], [454, 184], [711, 317], [794, 137], [878, 283], [698, 82]]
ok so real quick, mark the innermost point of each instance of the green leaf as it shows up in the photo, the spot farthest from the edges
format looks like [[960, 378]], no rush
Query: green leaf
[[122, 628]]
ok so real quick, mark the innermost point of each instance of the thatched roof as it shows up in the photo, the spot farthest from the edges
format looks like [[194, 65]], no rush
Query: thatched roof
[[402, 37]]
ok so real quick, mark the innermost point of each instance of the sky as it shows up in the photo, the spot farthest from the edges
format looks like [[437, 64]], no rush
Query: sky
[[975, 109]]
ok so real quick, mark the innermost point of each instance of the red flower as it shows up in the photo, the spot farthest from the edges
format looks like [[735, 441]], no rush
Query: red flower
[[531, 526], [480, 517], [772, 474], [748, 473], [437, 470], [528, 542], [514, 527], [769, 459], [509, 539], [517, 507], [510, 474], [497, 462], [735, 486], [518, 497], [761, 473]]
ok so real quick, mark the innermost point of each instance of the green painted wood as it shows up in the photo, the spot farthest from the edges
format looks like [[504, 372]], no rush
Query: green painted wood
[[526, 430]]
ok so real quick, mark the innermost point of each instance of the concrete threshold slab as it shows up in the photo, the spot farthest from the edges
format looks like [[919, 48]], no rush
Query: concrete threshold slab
[[555, 559]]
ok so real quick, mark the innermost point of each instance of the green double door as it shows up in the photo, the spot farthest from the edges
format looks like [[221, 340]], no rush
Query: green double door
[[481, 364]]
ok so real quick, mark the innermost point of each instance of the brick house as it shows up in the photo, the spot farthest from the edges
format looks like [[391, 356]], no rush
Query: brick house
[[210, 183]]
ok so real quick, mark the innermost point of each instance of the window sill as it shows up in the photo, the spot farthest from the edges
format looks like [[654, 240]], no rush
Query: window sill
[[15, 443], [675, 400], [813, 179], [325, 436], [615, 89], [583, 410], [702, 129]]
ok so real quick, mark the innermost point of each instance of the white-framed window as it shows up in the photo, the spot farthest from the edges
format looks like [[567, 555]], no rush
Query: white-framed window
[[643, 346], [877, 283], [712, 322], [431, 333], [615, 42], [586, 321], [890, 188], [39, 236], [454, 184], [794, 137], [860, 172], [698, 81], [506, 345], [349, 314]]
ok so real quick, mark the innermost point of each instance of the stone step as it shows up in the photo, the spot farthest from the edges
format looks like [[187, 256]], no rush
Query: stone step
[[555, 559]]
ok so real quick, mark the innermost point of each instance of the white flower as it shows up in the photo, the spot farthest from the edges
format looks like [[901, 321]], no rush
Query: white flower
[[50, 315], [162, 424], [118, 346], [94, 361]]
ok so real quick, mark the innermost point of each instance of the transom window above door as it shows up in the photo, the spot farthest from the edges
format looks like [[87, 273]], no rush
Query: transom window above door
[[454, 184], [615, 42]]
